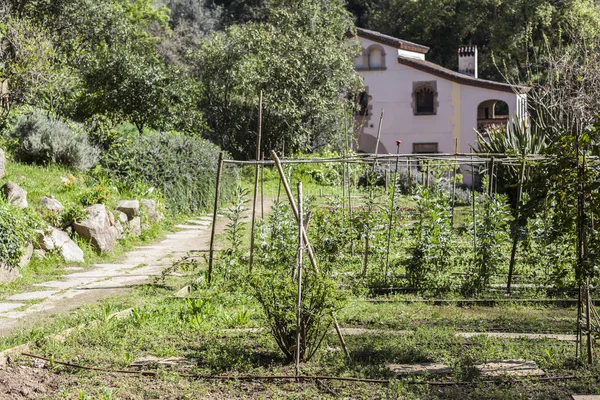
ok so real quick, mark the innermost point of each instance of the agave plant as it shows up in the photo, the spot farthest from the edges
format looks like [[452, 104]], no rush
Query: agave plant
[[515, 138]]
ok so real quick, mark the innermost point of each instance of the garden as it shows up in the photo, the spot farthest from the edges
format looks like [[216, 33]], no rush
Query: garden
[[368, 277]]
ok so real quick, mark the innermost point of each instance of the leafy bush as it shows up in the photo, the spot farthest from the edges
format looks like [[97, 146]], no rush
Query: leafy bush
[[493, 215], [274, 285], [429, 269], [17, 226], [183, 168], [42, 139]]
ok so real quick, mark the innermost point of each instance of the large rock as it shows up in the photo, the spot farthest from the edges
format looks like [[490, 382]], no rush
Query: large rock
[[61, 241], [26, 257], [2, 163], [151, 210], [121, 217], [15, 194], [129, 207], [51, 204], [97, 228], [8, 274], [135, 226]]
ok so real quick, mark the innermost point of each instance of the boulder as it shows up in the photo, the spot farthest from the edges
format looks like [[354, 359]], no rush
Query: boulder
[[8, 274], [118, 229], [129, 207], [121, 217], [135, 226], [2, 163], [151, 210], [97, 229], [26, 257], [61, 241], [15, 194], [51, 204]]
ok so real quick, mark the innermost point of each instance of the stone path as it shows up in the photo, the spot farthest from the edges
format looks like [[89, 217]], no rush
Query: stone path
[[103, 280], [507, 335]]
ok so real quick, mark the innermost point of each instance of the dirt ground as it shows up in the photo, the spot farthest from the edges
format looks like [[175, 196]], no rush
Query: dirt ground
[[20, 383]]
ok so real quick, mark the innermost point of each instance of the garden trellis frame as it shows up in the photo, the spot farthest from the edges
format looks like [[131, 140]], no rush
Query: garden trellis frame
[[466, 161]]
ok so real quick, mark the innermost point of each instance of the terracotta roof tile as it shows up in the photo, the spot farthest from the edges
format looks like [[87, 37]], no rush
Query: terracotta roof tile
[[434, 69], [391, 41]]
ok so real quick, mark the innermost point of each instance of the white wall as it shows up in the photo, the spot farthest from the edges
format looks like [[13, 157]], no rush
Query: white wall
[[471, 97], [391, 90]]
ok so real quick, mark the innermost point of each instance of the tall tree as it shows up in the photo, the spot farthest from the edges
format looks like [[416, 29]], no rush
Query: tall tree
[[299, 57]]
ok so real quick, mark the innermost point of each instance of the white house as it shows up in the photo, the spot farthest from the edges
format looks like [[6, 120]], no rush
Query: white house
[[428, 107]]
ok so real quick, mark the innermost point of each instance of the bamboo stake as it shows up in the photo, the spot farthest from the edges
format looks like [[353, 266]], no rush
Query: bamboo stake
[[309, 251], [214, 219], [474, 212], [579, 339], [379, 134], [262, 188], [454, 167], [513, 253], [279, 187], [409, 164], [255, 194], [590, 352], [491, 181], [299, 306], [366, 256], [392, 211]]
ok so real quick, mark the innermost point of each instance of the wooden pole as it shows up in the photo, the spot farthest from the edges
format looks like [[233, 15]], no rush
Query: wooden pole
[[578, 343], [513, 252], [299, 268], [262, 188], [590, 351], [214, 219], [455, 166], [409, 164], [308, 248], [474, 211], [279, 187], [255, 194], [366, 256], [392, 212], [379, 134], [491, 180]]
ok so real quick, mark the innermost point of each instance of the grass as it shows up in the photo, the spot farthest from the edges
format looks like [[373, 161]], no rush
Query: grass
[[211, 341], [40, 181]]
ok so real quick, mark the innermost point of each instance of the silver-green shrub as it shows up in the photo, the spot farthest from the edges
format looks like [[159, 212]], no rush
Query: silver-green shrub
[[42, 139]]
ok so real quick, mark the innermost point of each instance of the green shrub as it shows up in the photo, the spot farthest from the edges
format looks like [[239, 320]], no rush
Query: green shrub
[[274, 285], [430, 267], [42, 139], [17, 226], [183, 168]]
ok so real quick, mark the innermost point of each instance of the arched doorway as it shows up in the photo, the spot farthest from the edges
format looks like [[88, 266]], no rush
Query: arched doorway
[[492, 113]]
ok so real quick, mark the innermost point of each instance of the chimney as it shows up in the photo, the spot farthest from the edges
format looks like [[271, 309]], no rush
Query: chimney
[[467, 60]]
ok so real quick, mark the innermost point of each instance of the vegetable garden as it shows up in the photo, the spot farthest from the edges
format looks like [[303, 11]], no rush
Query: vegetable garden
[[406, 226]]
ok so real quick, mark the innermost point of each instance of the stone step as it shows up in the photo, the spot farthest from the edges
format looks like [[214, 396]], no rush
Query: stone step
[[44, 294], [193, 227], [419, 369], [4, 307], [62, 284], [509, 367]]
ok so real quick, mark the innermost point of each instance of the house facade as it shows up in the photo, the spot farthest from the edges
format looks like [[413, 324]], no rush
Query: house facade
[[428, 107]]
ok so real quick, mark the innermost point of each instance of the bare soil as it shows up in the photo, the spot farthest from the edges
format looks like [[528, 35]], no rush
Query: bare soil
[[20, 383]]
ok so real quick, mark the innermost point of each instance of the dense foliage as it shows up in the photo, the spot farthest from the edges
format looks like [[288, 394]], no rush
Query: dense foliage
[[182, 168], [17, 227], [41, 139]]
